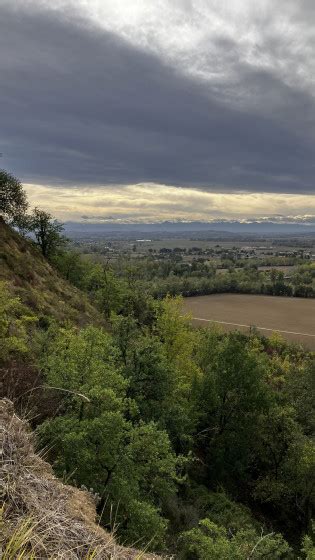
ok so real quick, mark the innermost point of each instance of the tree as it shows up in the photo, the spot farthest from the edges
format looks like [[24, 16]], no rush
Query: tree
[[309, 547], [72, 267], [232, 397], [285, 461], [92, 429], [105, 288], [150, 378], [180, 342], [47, 232], [209, 540], [13, 202], [145, 479], [23, 224]]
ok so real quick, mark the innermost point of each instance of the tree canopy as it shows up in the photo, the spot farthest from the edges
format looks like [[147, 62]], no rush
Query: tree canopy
[[13, 200], [47, 231]]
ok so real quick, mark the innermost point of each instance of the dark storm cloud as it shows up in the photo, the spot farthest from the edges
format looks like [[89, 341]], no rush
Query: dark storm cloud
[[82, 106]]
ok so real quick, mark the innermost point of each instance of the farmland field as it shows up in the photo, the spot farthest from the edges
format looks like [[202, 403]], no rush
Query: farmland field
[[294, 318]]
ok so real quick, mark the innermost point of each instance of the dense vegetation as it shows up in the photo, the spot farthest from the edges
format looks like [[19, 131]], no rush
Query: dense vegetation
[[197, 443], [170, 275]]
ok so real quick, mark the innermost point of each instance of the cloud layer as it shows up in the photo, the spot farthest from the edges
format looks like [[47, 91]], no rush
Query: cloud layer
[[203, 94], [149, 203]]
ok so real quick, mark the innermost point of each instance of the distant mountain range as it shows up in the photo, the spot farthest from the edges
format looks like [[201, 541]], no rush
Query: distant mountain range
[[176, 228]]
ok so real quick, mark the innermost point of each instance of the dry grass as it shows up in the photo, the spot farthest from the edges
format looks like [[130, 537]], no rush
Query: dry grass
[[38, 285], [41, 518]]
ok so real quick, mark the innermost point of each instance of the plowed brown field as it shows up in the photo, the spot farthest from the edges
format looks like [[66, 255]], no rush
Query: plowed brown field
[[293, 317]]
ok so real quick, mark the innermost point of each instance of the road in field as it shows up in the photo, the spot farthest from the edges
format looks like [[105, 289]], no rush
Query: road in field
[[293, 317]]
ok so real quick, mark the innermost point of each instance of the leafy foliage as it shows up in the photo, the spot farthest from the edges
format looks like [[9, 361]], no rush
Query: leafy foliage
[[15, 325], [47, 231], [13, 202], [133, 463], [212, 541]]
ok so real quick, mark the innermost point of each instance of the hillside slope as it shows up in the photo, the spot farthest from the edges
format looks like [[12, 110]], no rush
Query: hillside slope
[[37, 284], [40, 517]]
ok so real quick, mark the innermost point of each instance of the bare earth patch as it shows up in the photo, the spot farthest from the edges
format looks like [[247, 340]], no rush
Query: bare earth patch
[[294, 318]]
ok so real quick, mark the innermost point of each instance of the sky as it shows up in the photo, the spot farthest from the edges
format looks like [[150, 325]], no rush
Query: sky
[[153, 110]]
